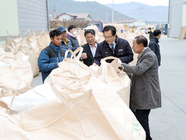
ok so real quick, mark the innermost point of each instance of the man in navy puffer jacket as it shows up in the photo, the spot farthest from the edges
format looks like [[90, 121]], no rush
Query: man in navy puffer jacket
[[51, 55], [154, 46]]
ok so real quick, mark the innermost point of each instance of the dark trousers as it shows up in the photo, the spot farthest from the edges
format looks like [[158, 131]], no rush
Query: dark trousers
[[143, 118]]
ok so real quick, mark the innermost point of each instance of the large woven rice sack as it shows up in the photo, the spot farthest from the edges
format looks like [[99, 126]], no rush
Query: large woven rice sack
[[85, 110], [15, 73], [27, 45]]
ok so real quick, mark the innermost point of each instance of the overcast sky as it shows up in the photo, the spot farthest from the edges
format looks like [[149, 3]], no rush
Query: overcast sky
[[148, 2]]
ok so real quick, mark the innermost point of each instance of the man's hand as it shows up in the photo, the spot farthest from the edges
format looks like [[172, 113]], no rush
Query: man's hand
[[95, 64], [84, 56]]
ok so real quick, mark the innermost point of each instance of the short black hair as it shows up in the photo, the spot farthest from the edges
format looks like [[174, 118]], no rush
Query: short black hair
[[141, 39], [55, 32], [89, 31], [111, 28], [157, 32], [71, 27]]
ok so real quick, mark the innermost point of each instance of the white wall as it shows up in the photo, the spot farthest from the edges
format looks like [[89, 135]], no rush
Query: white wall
[[88, 18], [184, 16], [65, 17], [175, 17]]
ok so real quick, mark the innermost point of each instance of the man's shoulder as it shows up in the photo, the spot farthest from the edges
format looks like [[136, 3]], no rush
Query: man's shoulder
[[152, 43], [103, 43], [85, 45], [123, 41], [48, 48], [69, 38], [149, 53]]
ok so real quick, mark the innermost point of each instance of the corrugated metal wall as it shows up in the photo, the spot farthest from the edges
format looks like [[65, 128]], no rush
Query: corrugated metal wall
[[175, 17], [33, 15]]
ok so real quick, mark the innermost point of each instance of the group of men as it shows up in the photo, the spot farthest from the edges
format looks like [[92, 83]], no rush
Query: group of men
[[145, 92]]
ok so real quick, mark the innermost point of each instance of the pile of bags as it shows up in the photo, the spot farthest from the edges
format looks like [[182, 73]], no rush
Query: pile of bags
[[15, 72], [18, 65], [30, 45], [86, 106]]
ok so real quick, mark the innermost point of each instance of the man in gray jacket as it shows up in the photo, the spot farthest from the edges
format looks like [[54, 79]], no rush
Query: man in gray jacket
[[71, 35], [146, 94]]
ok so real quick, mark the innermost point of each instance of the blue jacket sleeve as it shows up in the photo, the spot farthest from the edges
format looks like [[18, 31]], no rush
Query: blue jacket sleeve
[[44, 62], [128, 57]]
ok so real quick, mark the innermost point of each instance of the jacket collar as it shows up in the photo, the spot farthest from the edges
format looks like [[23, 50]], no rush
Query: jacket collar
[[145, 51], [55, 48], [69, 34], [65, 42], [153, 38]]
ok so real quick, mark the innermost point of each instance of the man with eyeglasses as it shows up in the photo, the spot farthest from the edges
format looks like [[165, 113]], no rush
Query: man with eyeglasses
[[89, 49], [113, 46]]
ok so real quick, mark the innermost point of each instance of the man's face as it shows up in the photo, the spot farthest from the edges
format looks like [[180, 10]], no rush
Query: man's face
[[159, 36], [137, 47], [90, 38], [56, 41], [64, 35], [109, 38]]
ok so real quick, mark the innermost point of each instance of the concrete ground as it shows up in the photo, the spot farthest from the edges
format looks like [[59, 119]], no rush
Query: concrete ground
[[168, 122]]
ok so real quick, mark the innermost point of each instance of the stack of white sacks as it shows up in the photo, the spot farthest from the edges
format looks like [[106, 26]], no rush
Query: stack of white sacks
[[30, 45], [103, 112], [76, 102], [18, 65]]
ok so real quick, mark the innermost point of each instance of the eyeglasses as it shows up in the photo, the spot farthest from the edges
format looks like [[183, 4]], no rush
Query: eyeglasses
[[109, 37]]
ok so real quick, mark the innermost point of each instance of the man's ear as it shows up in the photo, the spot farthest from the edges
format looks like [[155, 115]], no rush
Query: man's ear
[[141, 45], [51, 39]]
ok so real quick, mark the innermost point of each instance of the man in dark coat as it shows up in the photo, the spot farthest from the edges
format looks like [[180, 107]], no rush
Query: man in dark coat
[[146, 94], [154, 46], [113, 46], [89, 49], [150, 33]]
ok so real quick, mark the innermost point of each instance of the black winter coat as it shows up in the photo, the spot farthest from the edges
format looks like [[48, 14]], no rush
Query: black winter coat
[[122, 51], [154, 46], [90, 58]]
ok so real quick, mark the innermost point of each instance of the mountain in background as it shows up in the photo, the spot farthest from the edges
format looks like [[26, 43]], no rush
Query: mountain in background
[[96, 10], [142, 11]]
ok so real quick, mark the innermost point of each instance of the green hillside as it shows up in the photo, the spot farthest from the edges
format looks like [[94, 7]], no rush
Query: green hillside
[[97, 11]]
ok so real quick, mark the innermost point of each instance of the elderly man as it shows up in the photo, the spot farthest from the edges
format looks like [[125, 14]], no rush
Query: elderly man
[[89, 49], [146, 94], [113, 46]]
